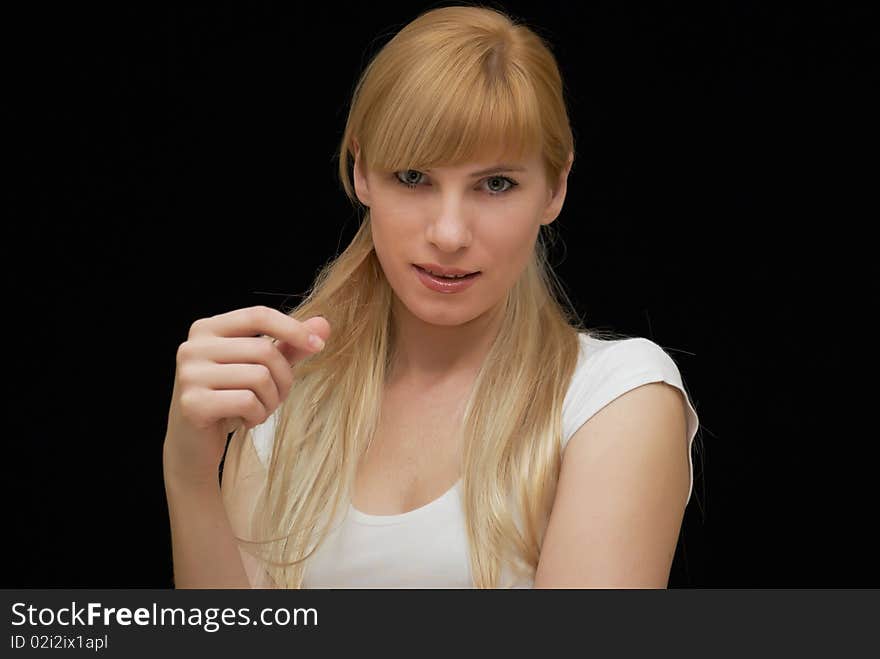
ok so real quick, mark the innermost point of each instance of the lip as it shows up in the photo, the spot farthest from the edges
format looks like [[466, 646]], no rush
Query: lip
[[442, 285]]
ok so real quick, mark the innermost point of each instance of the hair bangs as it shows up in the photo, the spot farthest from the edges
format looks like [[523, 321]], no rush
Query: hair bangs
[[455, 118]]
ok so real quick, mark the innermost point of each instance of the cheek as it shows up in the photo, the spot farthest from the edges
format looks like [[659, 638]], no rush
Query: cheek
[[512, 240], [390, 237], [390, 224]]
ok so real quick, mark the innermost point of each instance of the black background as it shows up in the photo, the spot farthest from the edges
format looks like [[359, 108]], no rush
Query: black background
[[173, 162]]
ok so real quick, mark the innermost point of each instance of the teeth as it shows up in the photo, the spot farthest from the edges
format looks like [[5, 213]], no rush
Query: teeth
[[446, 276]]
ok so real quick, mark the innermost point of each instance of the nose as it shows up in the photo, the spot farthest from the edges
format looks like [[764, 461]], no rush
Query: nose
[[450, 227]]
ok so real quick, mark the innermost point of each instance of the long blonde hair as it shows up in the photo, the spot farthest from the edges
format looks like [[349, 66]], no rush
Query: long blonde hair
[[452, 83]]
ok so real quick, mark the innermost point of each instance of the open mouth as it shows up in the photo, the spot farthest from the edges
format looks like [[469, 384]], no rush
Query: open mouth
[[450, 278]]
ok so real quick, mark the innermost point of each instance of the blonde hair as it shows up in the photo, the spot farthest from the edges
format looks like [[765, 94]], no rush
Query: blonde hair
[[453, 83]]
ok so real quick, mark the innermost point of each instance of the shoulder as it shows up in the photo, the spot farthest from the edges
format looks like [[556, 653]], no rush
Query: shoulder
[[608, 369], [632, 353]]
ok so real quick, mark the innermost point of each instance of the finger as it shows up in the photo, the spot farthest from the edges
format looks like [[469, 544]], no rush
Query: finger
[[218, 404], [253, 377], [317, 325], [251, 321], [247, 350]]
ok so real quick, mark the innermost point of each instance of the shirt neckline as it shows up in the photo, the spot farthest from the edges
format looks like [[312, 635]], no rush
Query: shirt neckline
[[384, 520]]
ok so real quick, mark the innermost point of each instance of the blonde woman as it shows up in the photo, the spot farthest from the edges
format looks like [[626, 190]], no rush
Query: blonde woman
[[404, 428]]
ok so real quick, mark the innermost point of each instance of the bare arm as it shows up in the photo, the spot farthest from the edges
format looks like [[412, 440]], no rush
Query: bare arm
[[205, 553], [621, 496], [244, 477], [225, 375]]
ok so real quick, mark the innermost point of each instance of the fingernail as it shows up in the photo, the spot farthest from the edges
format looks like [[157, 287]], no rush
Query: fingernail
[[316, 341]]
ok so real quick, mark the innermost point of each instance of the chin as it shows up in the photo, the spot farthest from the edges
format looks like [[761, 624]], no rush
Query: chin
[[444, 314], [441, 317]]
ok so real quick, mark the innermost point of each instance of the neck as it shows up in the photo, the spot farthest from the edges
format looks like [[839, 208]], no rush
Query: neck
[[429, 355]]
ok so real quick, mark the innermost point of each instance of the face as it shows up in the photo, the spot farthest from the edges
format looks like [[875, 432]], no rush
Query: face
[[472, 216]]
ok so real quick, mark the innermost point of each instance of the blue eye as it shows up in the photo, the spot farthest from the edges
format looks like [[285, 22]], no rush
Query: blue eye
[[414, 183], [409, 184]]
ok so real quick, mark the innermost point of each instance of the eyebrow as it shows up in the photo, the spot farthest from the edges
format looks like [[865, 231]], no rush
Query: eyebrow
[[503, 167]]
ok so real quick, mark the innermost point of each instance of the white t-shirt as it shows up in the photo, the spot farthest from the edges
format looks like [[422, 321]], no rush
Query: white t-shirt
[[427, 547]]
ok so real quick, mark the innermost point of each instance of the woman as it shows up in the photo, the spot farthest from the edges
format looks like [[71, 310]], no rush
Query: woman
[[440, 432]]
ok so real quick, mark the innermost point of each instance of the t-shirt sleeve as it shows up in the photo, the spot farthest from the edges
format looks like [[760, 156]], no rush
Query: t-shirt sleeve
[[263, 436], [610, 371]]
